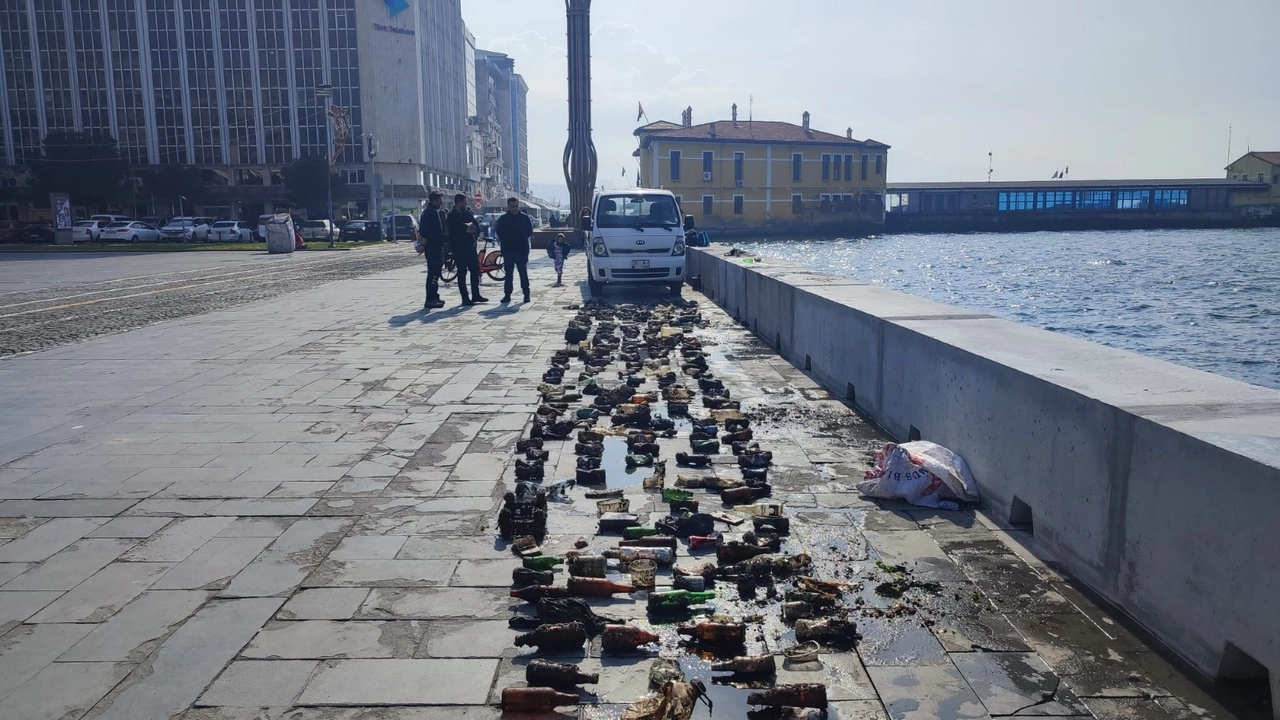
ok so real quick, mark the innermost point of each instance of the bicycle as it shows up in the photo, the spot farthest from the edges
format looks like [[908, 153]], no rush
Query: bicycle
[[490, 264]]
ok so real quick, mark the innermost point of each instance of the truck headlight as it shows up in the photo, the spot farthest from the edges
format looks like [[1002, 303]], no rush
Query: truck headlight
[[678, 249], [599, 250]]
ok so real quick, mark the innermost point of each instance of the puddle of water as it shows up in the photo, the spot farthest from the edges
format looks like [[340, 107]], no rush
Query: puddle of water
[[614, 462]]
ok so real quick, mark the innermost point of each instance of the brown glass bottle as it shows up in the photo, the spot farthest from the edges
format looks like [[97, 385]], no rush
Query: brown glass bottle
[[747, 665], [555, 637], [744, 494], [588, 566], [541, 672], [596, 587], [624, 638], [735, 551], [715, 633], [810, 695], [832, 630], [534, 593], [535, 698]]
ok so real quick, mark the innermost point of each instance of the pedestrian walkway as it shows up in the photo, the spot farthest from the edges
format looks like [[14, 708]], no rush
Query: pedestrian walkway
[[272, 512]]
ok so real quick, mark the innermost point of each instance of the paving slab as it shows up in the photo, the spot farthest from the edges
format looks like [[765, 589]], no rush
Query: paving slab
[[1017, 684], [72, 565], [27, 649], [381, 573], [64, 508], [400, 682], [178, 540], [46, 539], [16, 607], [259, 684], [130, 527], [926, 693], [102, 595], [63, 690], [324, 604], [129, 634], [213, 565], [323, 639], [284, 565]]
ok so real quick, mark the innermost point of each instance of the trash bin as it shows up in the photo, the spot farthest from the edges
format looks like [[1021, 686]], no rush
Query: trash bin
[[280, 234]]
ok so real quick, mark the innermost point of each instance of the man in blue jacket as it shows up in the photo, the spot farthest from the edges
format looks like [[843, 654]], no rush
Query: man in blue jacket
[[514, 229], [434, 235]]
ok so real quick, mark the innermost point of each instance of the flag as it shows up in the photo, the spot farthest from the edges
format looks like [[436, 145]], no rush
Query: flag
[[624, 172], [639, 112], [1064, 172], [1056, 174]]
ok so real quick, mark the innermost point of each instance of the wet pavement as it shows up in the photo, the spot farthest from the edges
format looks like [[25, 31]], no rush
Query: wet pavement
[[264, 513]]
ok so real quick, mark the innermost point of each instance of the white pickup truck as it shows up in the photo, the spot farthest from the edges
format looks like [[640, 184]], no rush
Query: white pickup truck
[[635, 237]]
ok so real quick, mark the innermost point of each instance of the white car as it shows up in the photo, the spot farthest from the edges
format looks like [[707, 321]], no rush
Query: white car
[[131, 231], [108, 219], [186, 229], [231, 231], [636, 238], [316, 230], [87, 230]]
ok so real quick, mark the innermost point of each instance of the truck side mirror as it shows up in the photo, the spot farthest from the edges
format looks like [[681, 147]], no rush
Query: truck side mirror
[[688, 223]]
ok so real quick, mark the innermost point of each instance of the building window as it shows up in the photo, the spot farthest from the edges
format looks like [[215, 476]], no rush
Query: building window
[[797, 204], [826, 167], [675, 166], [1262, 177], [1133, 199], [797, 160], [1095, 200], [1008, 200], [1170, 198], [708, 159], [1235, 177], [708, 205], [835, 167], [865, 158], [879, 164], [739, 172], [848, 168], [1055, 200], [737, 204]]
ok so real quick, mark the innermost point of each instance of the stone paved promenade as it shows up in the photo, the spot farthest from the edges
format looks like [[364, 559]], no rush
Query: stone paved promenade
[[265, 512]]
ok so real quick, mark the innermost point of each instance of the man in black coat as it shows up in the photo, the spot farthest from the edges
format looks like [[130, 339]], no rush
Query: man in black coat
[[462, 243], [431, 227], [514, 229]]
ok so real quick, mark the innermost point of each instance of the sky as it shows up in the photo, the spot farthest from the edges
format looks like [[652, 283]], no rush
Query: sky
[[1109, 88]]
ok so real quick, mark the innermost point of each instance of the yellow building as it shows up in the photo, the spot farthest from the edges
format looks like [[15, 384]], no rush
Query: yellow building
[[1259, 167], [764, 174]]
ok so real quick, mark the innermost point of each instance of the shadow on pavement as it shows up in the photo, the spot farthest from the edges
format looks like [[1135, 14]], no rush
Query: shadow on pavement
[[425, 317]]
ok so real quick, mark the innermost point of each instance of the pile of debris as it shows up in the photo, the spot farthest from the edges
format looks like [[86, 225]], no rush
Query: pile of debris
[[597, 390]]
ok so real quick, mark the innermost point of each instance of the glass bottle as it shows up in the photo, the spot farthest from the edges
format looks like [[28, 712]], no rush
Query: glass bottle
[[597, 587], [555, 637], [540, 672], [535, 698], [542, 562], [623, 638], [748, 665], [811, 695], [715, 633], [678, 600]]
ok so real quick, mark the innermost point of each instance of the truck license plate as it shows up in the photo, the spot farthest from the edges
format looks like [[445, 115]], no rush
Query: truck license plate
[[639, 264]]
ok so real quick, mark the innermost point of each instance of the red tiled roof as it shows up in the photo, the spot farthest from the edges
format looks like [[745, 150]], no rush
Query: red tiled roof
[[656, 127], [756, 131], [1271, 157]]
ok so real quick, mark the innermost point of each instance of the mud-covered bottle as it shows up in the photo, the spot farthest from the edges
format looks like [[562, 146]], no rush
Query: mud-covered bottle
[[652, 541], [796, 610], [700, 542], [695, 583], [744, 494], [587, 414], [593, 587], [540, 672], [554, 637], [768, 565], [705, 447], [678, 600], [639, 460], [673, 494], [659, 555], [692, 459], [829, 631], [542, 562], [714, 633], [811, 695], [590, 436], [595, 476], [736, 436], [735, 551], [588, 566], [535, 698], [523, 577], [748, 665], [534, 593], [625, 638]]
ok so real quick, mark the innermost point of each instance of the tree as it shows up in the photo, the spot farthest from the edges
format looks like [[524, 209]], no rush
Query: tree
[[305, 179], [87, 165], [168, 183]]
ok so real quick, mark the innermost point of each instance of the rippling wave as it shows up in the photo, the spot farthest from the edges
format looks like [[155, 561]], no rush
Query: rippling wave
[[1208, 299]]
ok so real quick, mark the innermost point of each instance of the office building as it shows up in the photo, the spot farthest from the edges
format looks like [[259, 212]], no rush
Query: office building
[[501, 106], [762, 173], [230, 86]]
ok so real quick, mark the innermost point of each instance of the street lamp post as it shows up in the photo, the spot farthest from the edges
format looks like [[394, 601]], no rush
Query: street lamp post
[[326, 92]]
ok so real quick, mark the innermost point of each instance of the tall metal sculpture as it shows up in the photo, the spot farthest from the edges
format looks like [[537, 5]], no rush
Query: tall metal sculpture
[[579, 151]]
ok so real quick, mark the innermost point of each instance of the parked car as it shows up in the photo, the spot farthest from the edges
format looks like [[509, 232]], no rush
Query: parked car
[[38, 232], [13, 231], [231, 231], [155, 221], [186, 229], [400, 227], [356, 231], [131, 231], [108, 219], [88, 230], [315, 229]]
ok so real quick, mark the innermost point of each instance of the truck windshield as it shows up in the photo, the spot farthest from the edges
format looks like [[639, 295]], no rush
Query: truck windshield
[[618, 211]]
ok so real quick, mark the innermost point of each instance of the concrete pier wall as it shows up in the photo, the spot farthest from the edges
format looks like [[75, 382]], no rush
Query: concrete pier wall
[[1155, 484]]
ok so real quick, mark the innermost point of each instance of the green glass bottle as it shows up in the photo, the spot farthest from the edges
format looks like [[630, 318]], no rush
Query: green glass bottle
[[675, 494], [678, 599], [542, 562], [635, 533], [587, 414], [639, 461]]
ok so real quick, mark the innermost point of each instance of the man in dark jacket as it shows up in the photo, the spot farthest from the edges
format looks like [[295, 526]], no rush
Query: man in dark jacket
[[514, 229], [431, 227], [462, 243]]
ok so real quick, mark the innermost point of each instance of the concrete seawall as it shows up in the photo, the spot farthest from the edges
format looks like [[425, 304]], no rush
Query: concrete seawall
[[1155, 484]]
